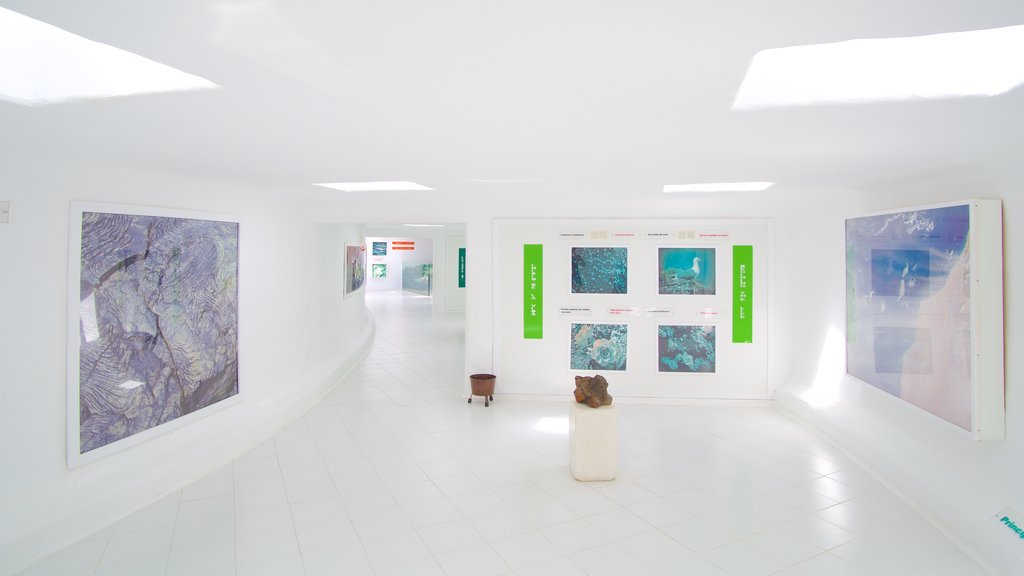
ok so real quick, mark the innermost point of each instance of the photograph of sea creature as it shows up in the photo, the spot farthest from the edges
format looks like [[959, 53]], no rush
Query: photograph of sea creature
[[598, 346], [599, 270], [158, 322], [380, 248], [686, 348], [686, 270], [379, 271]]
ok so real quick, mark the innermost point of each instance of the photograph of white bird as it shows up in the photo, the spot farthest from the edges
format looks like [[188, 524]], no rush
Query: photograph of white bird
[[686, 270], [693, 272]]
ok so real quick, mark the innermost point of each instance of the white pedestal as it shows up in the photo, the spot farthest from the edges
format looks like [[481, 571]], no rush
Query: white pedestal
[[593, 442]]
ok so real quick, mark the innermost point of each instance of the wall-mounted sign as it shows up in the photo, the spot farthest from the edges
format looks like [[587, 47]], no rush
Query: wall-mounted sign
[[1008, 527], [403, 245], [533, 291], [742, 294], [462, 267]]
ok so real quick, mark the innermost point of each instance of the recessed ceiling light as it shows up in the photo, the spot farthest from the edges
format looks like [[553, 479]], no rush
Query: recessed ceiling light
[[505, 181], [425, 225], [392, 186], [43, 64], [957, 64], [719, 187]]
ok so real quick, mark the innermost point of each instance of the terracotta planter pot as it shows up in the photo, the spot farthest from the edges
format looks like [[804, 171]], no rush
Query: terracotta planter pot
[[482, 385]]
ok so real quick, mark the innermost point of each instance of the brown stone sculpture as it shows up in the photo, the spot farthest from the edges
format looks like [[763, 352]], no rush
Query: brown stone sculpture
[[592, 391]]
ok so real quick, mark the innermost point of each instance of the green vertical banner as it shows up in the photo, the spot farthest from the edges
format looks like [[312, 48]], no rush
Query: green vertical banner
[[742, 294], [533, 291], [462, 267]]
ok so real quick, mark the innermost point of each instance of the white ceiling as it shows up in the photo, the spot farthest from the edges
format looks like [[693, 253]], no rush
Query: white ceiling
[[452, 92]]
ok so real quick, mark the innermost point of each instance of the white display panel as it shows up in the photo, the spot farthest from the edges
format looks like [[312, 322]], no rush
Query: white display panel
[[618, 300]]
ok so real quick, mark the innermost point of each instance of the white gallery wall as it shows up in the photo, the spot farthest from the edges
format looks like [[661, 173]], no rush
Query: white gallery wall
[[297, 337], [443, 242], [422, 252], [392, 263], [716, 357], [957, 482]]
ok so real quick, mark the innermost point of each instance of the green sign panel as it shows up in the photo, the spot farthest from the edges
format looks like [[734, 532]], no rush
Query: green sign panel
[[742, 294], [462, 267], [533, 291]]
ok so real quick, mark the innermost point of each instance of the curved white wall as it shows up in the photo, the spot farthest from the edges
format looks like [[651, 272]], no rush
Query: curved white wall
[[956, 482], [297, 338]]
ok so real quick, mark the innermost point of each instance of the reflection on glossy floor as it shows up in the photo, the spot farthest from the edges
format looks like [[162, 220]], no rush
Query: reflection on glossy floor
[[394, 473]]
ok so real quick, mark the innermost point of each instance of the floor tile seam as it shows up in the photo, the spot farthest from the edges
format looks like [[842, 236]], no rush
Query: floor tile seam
[[803, 512], [288, 503], [107, 546], [807, 561], [96, 564], [298, 551], [142, 529]]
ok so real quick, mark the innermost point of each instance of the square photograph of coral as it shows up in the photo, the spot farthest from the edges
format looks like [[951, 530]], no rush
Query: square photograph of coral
[[599, 270], [686, 348]]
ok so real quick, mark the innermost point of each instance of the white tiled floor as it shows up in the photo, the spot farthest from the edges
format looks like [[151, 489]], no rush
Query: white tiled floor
[[394, 474]]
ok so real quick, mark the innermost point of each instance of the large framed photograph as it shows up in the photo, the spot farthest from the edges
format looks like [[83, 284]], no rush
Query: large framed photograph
[[599, 269], [355, 268], [685, 270], [152, 323], [686, 348], [924, 310], [598, 346]]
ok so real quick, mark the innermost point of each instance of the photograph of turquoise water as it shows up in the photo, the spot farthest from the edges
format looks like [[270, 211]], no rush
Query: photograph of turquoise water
[[686, 270], [598, 346], [686, 348], [599, 270]]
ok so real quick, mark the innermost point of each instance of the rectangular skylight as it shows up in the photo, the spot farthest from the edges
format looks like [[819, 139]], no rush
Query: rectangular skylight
[[42, 64], [719, 187], [393, 186], [957, 64]]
